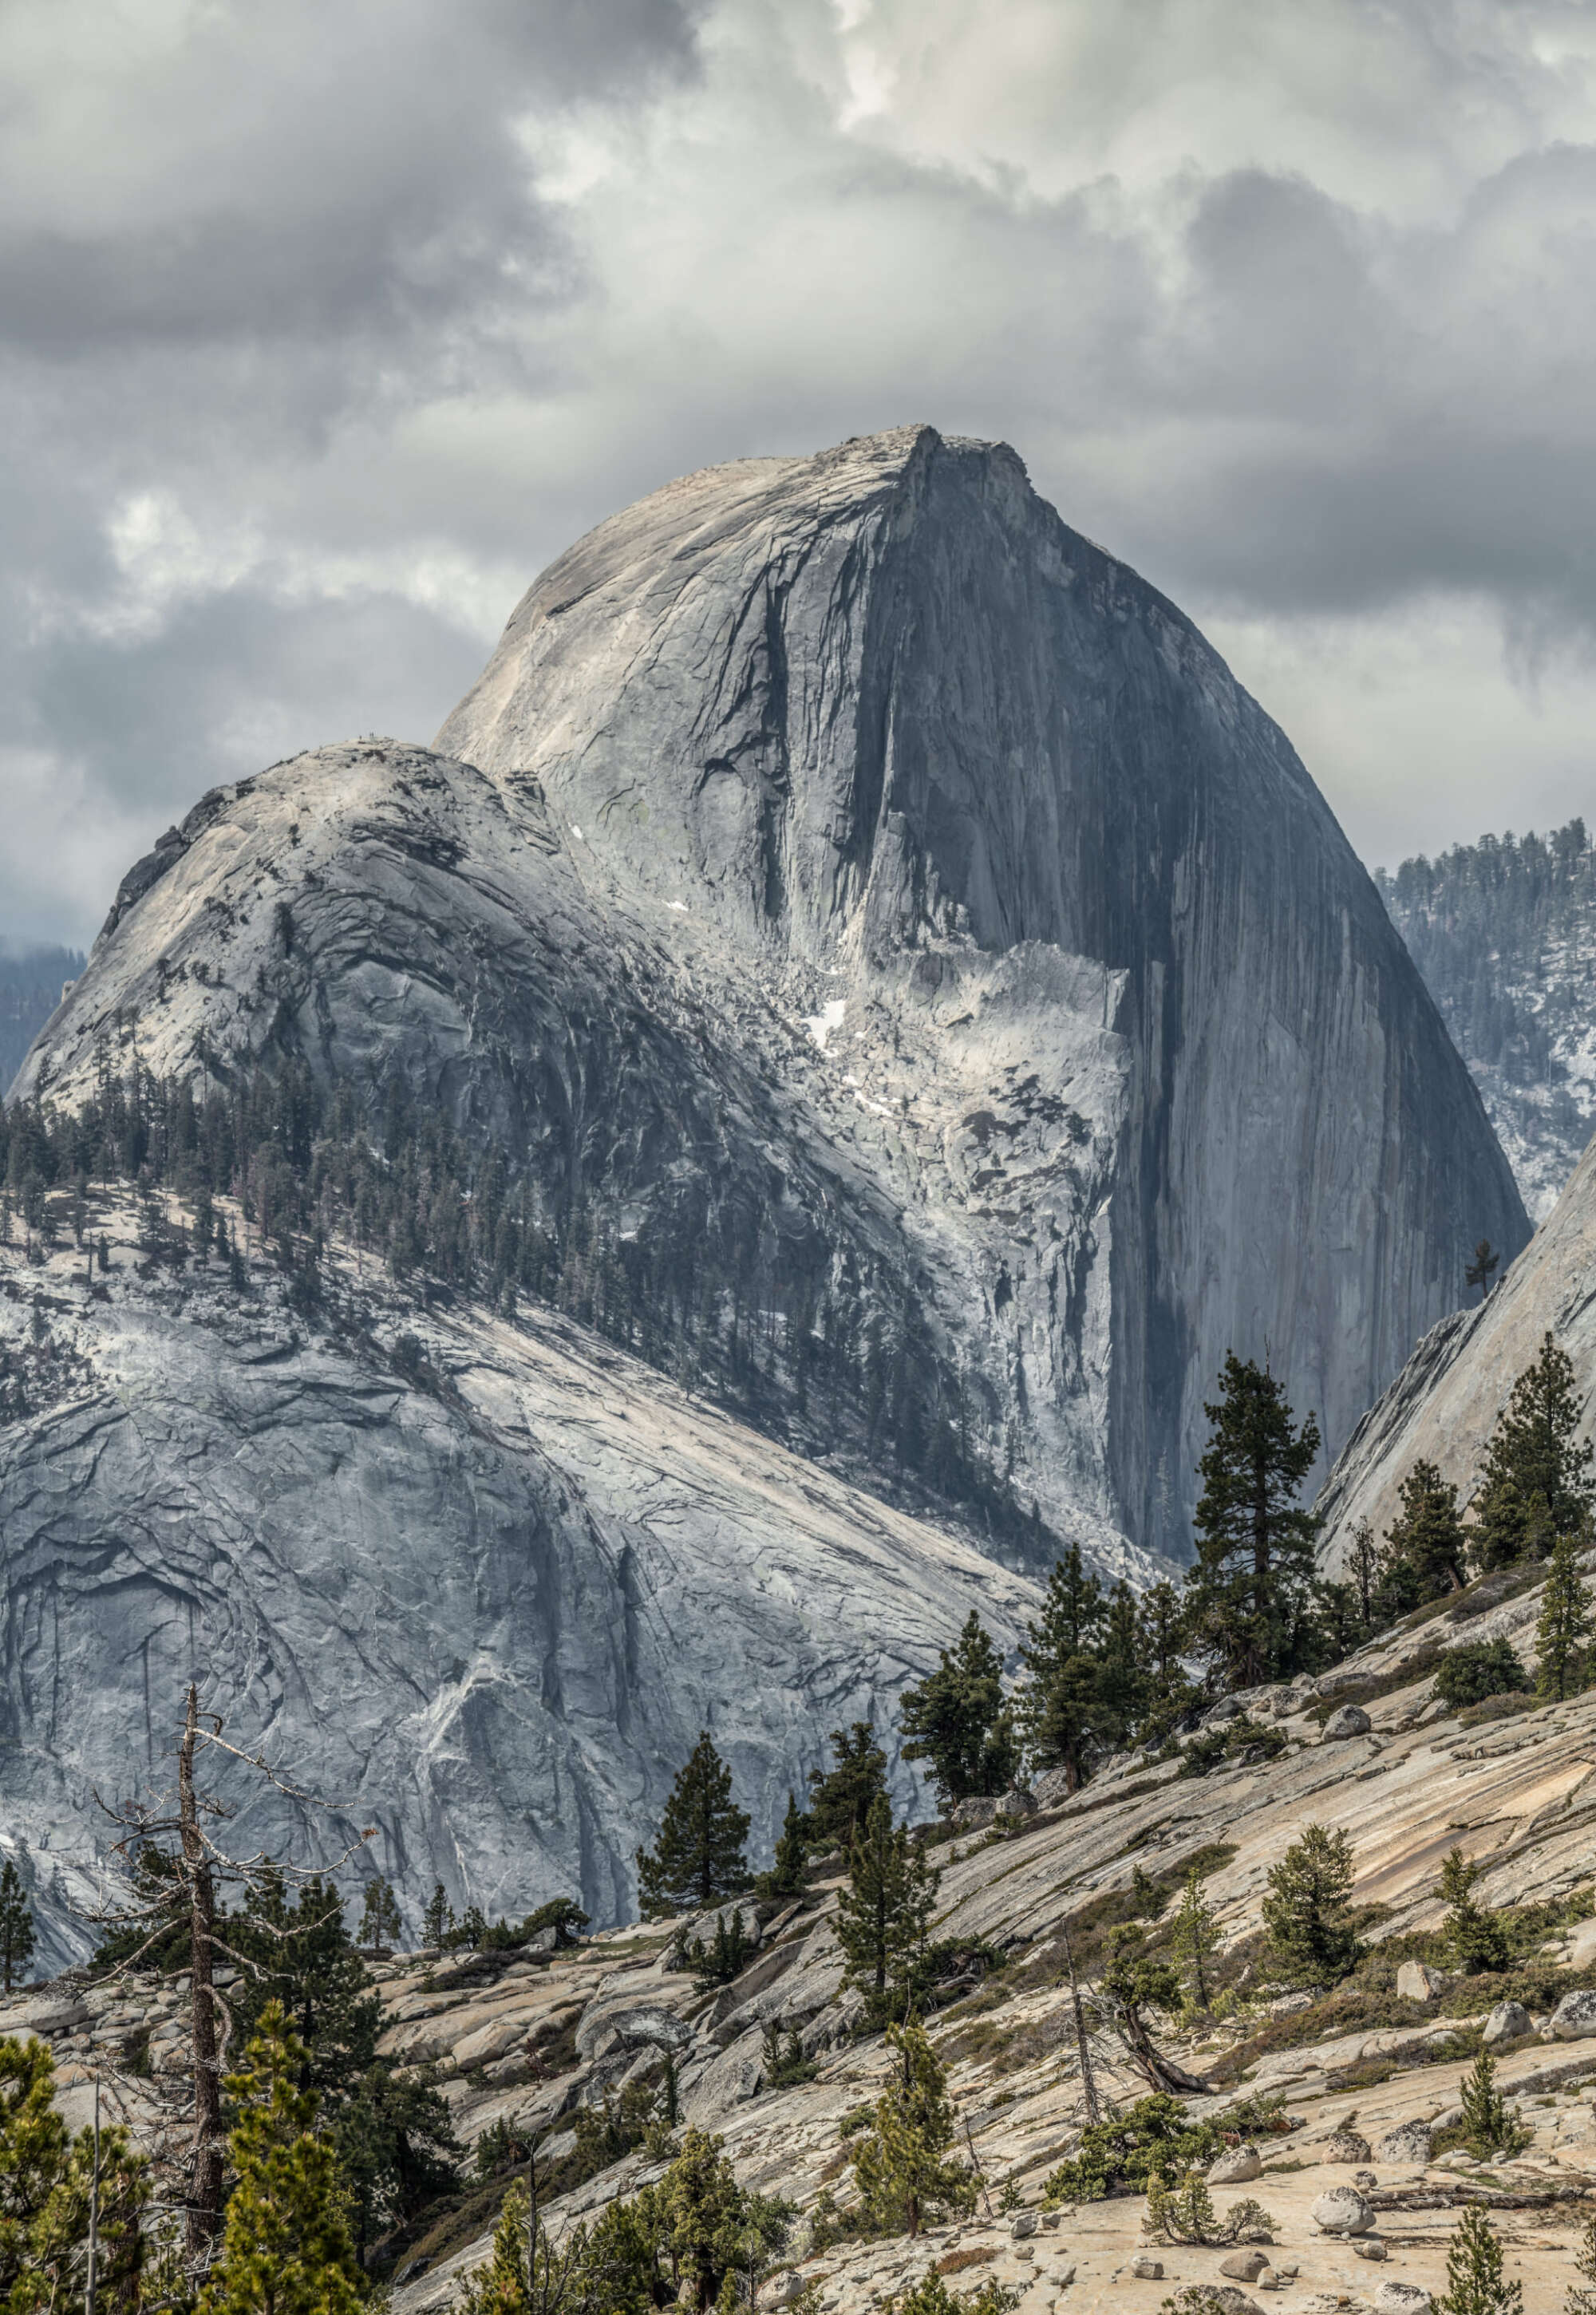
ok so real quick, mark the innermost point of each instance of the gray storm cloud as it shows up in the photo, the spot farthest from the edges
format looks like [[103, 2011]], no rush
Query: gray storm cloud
[[320, 328]]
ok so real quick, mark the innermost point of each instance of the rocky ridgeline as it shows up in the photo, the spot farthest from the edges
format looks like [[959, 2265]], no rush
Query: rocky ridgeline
[[1360, 2204]]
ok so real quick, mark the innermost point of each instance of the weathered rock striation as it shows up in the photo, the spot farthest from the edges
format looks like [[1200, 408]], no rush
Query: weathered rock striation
[[845, 871]]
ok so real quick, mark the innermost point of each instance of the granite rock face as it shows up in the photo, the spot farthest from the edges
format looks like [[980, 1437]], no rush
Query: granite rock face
[[488, 1618], [843, 869], [1444, 1404]]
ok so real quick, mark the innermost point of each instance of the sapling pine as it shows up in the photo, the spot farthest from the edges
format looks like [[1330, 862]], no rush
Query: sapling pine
[[1489, 2125], [1476, 2284]]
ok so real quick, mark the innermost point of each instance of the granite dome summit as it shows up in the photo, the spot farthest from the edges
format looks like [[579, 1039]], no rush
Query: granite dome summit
[[859, 890], [1114, 1059]]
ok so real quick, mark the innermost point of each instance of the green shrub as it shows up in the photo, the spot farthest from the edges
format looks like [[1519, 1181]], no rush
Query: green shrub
[[1469, 1674], [1185, 2214], [1153, 2138], [931, 2296], [1244, 1740]]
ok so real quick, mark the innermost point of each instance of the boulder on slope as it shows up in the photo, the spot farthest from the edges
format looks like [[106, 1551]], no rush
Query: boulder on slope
[[1574, 2019], [1341, 2211]]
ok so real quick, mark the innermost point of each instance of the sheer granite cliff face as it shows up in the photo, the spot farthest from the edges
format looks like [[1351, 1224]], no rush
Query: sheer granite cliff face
[[857, 707], [844, 865]]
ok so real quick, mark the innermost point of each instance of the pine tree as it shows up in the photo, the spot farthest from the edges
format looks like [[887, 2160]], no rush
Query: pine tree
[[501, 2285], [564, 1915], [44, 2183], [439, 1919], [1489, 2125], [381, 1927], [16, 1925], [1534, 1451], [1249, 1588], [396, 2150], [1362, 1567], [1124, 1685], [957, 1721], [1072, 1619], [303, 1960], [1307, 1912], [1067, 1719], [899, 2163], [285, 2247], [1134, 1981], [1181, 2212], [1477, 1937], [785, 1877], [1194, 1935], [1158, 1629], [883, 1914], [1478, 1271], [1563, 1634], [1426, 1550], [1477, 1670], [840, 1797], [715, 2229], [697, 1859]]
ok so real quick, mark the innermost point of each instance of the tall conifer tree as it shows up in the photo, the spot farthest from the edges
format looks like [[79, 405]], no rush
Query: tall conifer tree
[[1194, 1935], [1475, 2282], [1563, 1634], [1535, 1450], [883, 1915], [697, 1859], [1426, 1550], [1062, 1710], [1307, 1910], [959, 1722], [285, 2246], [1250, 1586], [901, 2163], [840, 1797]]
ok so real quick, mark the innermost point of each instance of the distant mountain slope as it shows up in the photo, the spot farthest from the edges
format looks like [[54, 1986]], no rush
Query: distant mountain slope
[[1505, 934], [31, 988]]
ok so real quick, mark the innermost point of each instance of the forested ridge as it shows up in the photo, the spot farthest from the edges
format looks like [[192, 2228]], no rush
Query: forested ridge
[[807, 1342], [30, 985], [1505, 934]]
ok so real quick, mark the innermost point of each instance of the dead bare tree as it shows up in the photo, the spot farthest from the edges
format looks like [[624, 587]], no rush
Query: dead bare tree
[[178, 1871], [1082, 2041]]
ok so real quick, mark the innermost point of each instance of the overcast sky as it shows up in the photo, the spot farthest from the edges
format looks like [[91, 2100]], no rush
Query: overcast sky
[[324, 324]]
